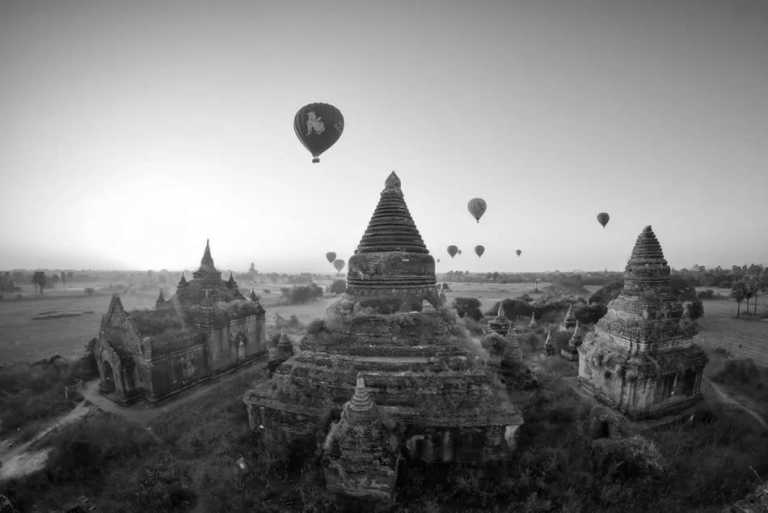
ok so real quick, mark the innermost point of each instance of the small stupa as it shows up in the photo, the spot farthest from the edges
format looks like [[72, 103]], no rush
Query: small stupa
[[570, 352], [360, 437], [569, 321]]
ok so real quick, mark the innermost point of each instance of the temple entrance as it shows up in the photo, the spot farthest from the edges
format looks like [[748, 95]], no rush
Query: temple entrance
[[108, 378], [689, 382]]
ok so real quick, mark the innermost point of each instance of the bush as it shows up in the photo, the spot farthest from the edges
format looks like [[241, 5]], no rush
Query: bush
[[706, 294], [338, 287], [316, 326], [89, 291], [468, 307], [590, 314], [300, 294]]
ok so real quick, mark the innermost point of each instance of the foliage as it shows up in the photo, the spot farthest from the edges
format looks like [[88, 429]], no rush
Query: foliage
[[468, 307], [338, 287], [36, 392], [89, 291], [300, 294], [589, 314], [154, 322]]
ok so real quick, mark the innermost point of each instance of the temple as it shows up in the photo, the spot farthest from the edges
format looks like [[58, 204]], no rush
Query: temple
[[641, 359], [207, 327], [434, 400]]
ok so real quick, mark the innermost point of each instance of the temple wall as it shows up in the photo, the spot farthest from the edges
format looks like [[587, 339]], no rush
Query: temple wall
[[256, 334], [178, 369]]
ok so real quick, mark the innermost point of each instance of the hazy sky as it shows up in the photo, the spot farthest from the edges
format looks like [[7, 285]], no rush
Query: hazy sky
[[132, 131]]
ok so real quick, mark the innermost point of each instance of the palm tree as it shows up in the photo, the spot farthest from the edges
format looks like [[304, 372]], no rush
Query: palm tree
[[739, 293]]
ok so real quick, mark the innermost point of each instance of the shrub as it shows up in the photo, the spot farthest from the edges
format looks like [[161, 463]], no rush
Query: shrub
[[316, 326], [590, 314], [468, 307], [706, 294], [89, 291], [301, 293], [338, 287]]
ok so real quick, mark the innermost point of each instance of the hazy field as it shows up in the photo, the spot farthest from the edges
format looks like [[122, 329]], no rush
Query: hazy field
[[23, 338]]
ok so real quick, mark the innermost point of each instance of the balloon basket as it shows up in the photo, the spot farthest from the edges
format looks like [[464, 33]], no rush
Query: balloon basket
[[315, 160]]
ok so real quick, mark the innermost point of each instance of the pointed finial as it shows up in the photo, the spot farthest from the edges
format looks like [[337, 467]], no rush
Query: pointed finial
[[393, 182], [360, 380]]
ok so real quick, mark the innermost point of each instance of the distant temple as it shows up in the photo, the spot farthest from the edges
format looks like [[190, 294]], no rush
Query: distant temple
[[392, 365], [641, 359], [206, 328]]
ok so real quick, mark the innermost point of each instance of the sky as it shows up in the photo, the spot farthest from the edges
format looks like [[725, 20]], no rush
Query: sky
[[132, 131]]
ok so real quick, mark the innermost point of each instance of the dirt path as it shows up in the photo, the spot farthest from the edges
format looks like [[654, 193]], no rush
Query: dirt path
[[19, 460], [726, 398]]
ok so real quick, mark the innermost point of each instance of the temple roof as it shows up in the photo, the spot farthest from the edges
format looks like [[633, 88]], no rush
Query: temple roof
[[391, 227], [647, 247], [647, 267], [206, 263]]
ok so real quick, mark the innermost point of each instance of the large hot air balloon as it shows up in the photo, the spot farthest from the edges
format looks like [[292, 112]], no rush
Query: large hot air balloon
[[519, 252], [479, 250], [477, 208], [452, 250], [331, 256], [318, 126], [338, 264], [603, 218]]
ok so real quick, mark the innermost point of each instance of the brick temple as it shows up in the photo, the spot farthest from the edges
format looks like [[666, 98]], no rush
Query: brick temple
[[641, 359], [388, 375]]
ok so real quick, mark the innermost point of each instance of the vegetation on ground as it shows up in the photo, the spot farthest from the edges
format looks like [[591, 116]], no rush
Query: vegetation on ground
[[41, 390]]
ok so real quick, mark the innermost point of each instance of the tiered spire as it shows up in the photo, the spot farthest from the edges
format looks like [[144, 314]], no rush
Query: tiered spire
[[206, 263], [361, 404], [391, 227], [647, 268]]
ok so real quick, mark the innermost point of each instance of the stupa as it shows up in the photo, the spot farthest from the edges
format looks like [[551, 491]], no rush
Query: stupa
[[641, 358], [417, 363]]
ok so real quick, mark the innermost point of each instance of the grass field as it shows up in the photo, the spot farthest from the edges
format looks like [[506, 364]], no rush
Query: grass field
[[23, 338]]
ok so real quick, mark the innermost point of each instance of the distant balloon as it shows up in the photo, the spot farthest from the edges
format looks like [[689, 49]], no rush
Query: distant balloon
[[603, 218], [459, 252], [452, 250], [331, 256], [338, 264], [479, 250], [519, 252], [477, 208], [318, 126]]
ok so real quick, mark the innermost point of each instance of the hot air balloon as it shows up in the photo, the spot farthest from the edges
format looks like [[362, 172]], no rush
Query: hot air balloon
[[318, 126], [452, 250], [331, 256], [338, 264], [477, 208], [479, 250], [519, 252], [603, 218]]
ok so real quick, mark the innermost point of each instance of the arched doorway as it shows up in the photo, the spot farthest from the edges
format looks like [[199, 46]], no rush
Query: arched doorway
[[107, 378], [689, 382]]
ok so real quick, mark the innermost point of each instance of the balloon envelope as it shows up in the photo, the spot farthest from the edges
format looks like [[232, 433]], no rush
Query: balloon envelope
[[603, 218], [519, 252], [452, 250], [477, 208], [318, 126], [338, 264], [331, 256], [479, 250]]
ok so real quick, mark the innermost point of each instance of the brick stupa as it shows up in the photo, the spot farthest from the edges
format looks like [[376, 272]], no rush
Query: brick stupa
[[391, 330], [641, 359]]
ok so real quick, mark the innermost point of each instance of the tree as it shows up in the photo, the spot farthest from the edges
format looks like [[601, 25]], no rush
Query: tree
[[39, 280], [739, 293]]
